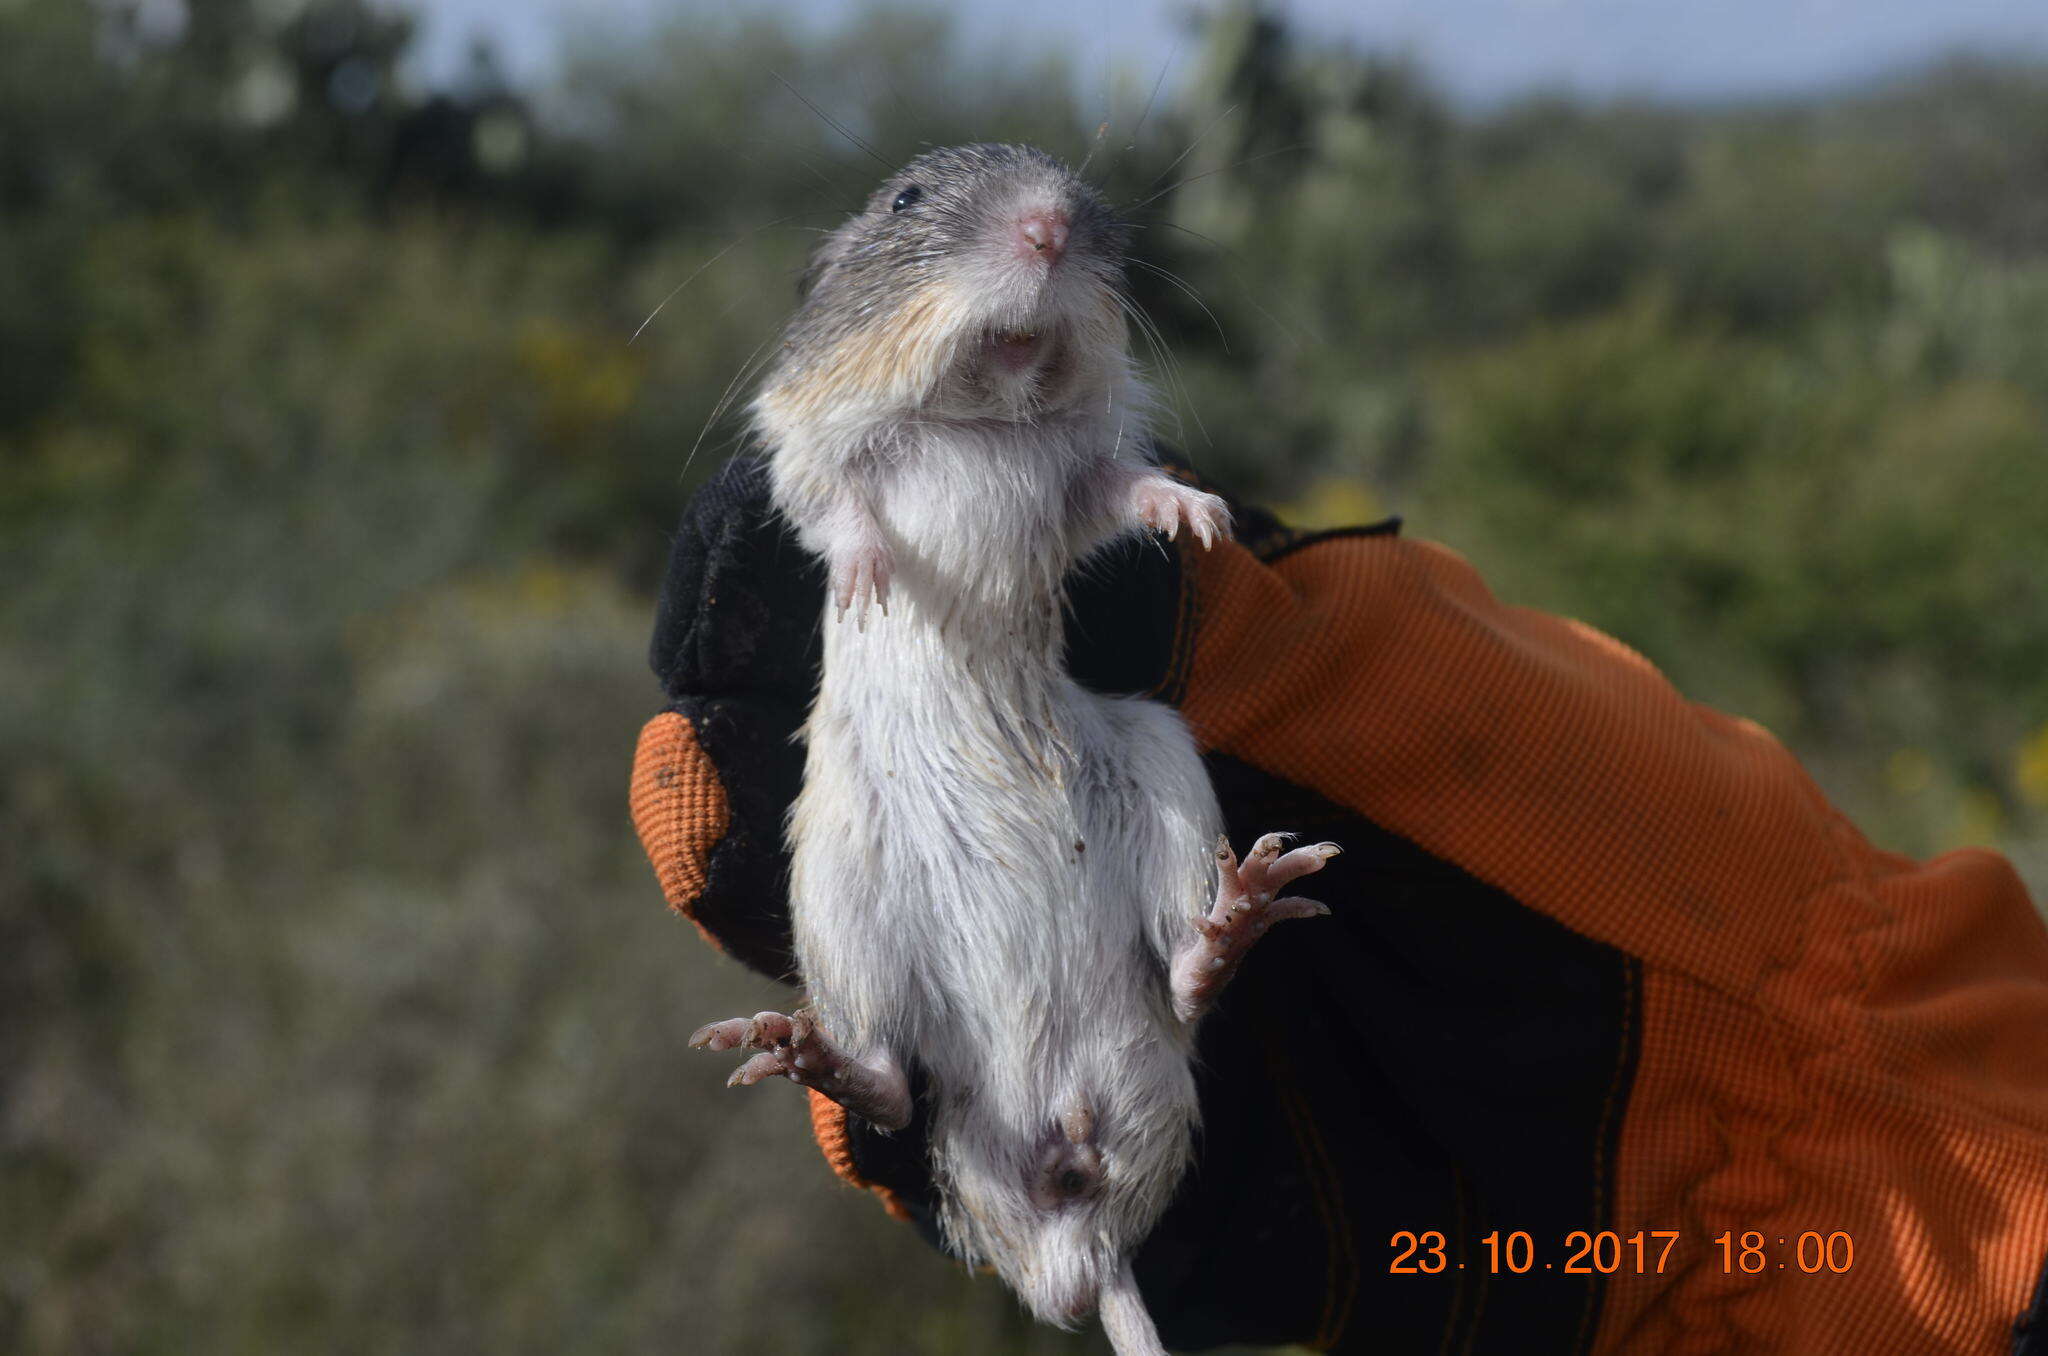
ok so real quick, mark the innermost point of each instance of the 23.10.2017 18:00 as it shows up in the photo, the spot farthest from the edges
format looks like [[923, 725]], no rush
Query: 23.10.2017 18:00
[[1606, 1252]]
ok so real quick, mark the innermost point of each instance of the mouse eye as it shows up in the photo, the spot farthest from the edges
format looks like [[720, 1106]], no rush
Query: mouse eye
[[907, 198]]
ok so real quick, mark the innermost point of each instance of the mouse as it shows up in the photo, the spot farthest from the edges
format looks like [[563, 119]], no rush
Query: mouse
[[1011, 884]]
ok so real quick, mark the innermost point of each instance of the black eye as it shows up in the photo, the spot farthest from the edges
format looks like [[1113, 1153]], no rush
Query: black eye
[[907, 198]]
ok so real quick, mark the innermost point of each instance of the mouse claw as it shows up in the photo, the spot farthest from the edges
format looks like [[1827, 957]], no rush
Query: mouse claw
[[1270, 872], [716, 1036], [767, 1064], [1162, 504], [1245, 908], [861, 577], [795, 1046]]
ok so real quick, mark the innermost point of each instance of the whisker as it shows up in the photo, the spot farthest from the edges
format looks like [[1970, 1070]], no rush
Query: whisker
[[1169, 367], [1139, 126], [1192, 178], [1237, 276], [902, 104], [1192, 144], [1180, 385], [831, 122], [798, 151], [725, 398], [769, 226], [819, 174], [1200, 427], [1138, 323], [731, 245], [1100, 133], [1190, 293], [1205, 239]]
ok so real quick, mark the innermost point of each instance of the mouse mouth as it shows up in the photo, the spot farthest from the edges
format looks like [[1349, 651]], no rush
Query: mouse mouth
[[1018, 350]]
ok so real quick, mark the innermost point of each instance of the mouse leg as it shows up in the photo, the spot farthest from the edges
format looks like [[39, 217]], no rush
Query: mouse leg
[[858, 557], [1114, 494], [796, 1047], [1245, 908]]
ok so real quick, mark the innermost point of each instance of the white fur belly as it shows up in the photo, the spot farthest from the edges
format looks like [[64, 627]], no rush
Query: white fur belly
[[990, 883]]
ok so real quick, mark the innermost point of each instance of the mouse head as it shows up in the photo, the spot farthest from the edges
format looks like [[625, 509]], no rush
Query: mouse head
[[978, 282]]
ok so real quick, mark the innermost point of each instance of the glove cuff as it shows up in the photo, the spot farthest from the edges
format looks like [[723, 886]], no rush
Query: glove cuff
[[679, 810]]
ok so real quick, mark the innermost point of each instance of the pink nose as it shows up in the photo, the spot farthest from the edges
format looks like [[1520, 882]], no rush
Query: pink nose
[[1042, 235]]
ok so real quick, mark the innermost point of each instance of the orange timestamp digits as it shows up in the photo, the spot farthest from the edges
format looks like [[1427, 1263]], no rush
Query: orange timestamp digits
[[1605, 1252], [1812, 1252], [1587, 1254]]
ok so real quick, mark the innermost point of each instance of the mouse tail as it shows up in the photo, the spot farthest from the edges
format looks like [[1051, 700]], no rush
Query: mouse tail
[[1124, 1319]]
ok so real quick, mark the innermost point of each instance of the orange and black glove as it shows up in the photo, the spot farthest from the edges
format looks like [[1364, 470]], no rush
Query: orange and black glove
[[1605, 978]]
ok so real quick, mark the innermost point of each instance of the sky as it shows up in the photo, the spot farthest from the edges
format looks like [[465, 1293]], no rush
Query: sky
[[1481, 51]]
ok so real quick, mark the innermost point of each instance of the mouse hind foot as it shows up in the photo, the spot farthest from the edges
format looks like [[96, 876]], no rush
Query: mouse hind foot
[[1245, 907], [796, 1047]]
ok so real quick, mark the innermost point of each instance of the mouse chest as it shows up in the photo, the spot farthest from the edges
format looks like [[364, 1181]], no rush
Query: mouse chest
[[971, 508], [975, 798]]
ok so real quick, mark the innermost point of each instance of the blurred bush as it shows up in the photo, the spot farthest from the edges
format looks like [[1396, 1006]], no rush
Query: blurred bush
[[337, 1009]]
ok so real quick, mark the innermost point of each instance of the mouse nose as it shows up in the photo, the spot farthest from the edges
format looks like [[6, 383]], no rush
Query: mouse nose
[[1042, 235]]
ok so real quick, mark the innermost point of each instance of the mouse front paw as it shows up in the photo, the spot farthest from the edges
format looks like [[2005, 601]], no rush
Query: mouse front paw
[[1245, 907], [796, 1047], [861, 575], [1162, 504]]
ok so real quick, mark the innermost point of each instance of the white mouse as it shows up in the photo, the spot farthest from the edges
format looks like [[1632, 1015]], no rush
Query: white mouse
[[1006, 881]]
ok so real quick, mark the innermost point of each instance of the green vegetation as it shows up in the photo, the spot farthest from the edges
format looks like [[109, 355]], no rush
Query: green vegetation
[[338, 1011]]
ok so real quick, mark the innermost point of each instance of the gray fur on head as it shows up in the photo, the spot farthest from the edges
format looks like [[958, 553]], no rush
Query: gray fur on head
[[952, 193], [901, 304]]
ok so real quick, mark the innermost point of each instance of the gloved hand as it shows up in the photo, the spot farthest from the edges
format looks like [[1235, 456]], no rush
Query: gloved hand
[[1590, 949]]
